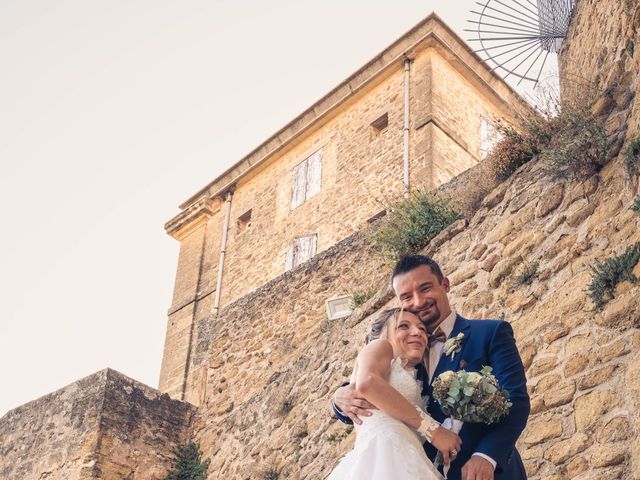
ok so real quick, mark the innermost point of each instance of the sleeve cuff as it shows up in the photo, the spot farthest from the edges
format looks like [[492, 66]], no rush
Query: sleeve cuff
[[486, 457]]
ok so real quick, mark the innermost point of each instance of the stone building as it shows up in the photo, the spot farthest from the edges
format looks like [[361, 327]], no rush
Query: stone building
[[261, 372], [418, 114]]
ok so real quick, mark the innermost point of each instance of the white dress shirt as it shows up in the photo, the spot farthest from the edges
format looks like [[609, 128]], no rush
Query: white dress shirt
[[435, 352]]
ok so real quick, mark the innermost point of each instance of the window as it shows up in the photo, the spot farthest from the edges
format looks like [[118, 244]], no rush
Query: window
[[244, 221], [306, 179], [379, 125], [489, 136], [302, 249]]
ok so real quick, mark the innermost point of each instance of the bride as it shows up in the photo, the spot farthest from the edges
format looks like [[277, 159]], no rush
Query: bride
[[389, 442]]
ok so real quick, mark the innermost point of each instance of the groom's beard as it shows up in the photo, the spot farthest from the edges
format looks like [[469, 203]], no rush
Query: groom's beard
[[431, 319]]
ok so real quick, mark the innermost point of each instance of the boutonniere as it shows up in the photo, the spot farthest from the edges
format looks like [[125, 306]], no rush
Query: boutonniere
[[453, 345]]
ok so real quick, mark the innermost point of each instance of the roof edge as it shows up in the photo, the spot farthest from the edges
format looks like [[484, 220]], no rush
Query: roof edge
[[401, 48]]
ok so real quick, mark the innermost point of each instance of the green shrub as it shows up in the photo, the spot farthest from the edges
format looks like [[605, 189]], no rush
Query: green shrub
[[338, 437], [567, 137], [632, 157], [578, 145], [270, 474], [360, 298], [528, 274], [636, 205], [188, 463], [286, 406], [411, 224], [509, 154], [607, 274]]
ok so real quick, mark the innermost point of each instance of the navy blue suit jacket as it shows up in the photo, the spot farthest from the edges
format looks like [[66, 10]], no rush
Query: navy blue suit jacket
[[486, 342]]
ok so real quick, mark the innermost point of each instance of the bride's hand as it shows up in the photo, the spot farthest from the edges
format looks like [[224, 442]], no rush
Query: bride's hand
[[351, 404], [446, 442]]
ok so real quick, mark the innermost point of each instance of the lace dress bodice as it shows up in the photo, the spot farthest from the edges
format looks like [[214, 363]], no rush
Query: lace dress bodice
[[404, 380], [386, 448]]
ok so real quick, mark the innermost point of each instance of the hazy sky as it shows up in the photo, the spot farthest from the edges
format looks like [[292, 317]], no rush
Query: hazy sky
[[114, 112]]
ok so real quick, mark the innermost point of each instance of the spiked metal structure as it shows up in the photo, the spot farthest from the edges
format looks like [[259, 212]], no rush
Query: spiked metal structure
[[516, 37]]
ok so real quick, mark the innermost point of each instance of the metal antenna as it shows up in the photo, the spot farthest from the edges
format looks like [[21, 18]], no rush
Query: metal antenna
[[517, 36]]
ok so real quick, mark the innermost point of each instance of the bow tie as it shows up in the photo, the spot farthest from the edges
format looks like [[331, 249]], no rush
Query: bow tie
[[437, 336]]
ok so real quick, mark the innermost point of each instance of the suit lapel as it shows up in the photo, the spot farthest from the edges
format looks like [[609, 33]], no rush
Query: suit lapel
[[446, 362]]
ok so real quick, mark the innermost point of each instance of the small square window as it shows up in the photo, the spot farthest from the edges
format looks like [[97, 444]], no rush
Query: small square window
[[244, 221], [379, 125], [489, 136]]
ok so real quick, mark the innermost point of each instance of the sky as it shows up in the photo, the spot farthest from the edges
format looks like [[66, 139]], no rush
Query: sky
[[112, 113]]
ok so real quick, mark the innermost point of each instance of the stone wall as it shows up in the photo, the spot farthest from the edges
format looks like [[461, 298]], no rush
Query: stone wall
[[105, 426], [600, 58], [269, 365], [362, 170]]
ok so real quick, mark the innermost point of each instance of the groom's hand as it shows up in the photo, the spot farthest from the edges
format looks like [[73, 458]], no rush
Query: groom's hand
[[477, 468], [351, 404]]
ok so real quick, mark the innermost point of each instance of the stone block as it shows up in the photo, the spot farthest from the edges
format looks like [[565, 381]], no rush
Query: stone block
[[476, 251], [547, 383], [490, 262], [554, 223], [541, 431], [598, 377], [621, 312], [503, 268], [531, 467], [462, 274], [603, 105], [579, 214], [560, 394], [495, 197], [479, 301], [531, 453], [563, 450], [590, 408], [615, 430], [579, 343], [577, 466], [537, 405], [543, 365], [500, 231], [576, 364], [555, 333], [524, 243], [550, 200], [607, 455], [527, 352]]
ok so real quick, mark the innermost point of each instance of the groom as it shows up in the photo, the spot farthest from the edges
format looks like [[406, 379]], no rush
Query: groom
[[488, 451]]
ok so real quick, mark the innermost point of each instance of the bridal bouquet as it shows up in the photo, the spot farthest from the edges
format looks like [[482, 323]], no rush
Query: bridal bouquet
[[473, 397]]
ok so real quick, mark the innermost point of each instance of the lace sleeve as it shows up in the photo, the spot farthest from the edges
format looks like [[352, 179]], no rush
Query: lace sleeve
[[427, 426]]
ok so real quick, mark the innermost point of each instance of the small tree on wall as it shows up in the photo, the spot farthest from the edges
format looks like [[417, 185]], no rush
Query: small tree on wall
[[188, 463]]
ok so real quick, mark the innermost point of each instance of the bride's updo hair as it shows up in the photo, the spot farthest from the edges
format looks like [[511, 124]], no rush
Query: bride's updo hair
[[385, 322]]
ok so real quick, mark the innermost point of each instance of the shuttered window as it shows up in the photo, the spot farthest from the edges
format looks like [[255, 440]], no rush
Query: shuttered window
[[302, 249], [489, 136], [307, 177]]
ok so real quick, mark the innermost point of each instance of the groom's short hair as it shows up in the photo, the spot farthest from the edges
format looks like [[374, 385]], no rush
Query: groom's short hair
[[406, 263]]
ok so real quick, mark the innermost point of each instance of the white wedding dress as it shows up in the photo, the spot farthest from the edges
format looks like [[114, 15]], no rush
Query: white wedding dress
[[386, 448]]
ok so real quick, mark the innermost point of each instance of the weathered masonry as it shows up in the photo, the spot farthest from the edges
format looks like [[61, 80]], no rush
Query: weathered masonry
[[415, 116]]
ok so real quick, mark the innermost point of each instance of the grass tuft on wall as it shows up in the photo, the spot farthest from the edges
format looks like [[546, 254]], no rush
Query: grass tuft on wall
[[410, 225], [608, 273]]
